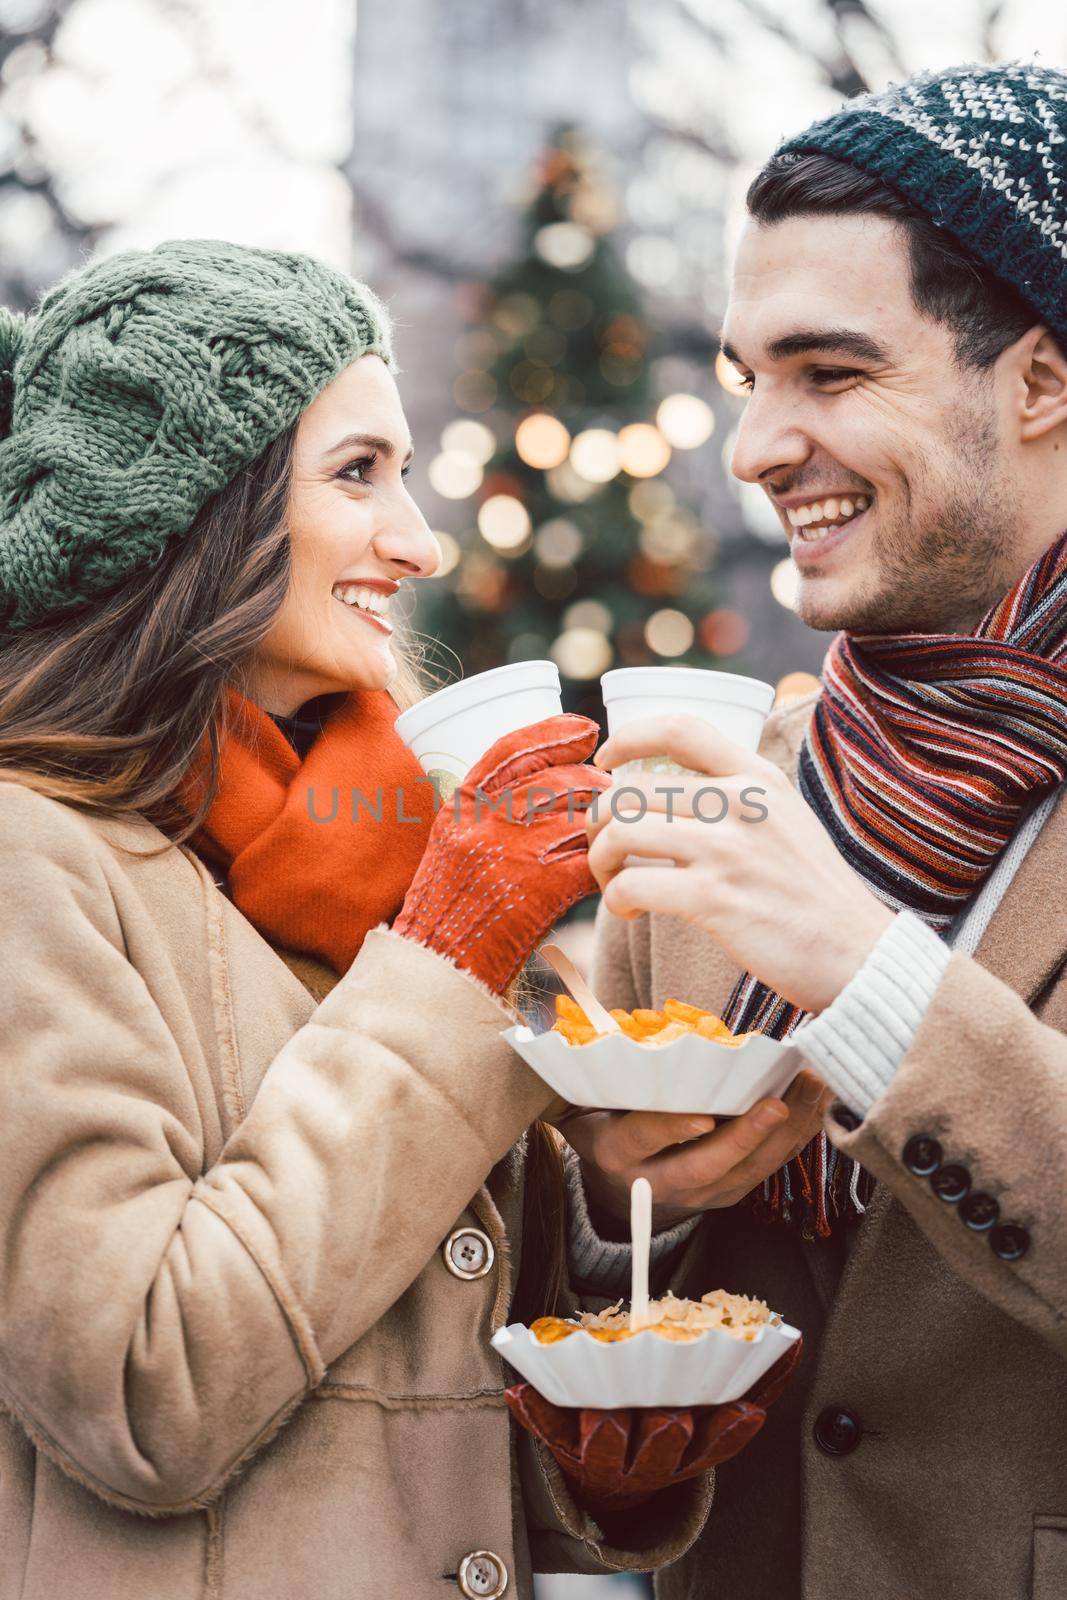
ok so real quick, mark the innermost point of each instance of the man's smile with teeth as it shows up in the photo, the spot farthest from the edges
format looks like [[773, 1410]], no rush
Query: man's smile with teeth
[[819, 517]]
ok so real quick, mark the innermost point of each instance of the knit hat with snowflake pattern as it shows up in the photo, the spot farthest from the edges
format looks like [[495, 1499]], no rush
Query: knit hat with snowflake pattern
[[981, 150], [139, 387]]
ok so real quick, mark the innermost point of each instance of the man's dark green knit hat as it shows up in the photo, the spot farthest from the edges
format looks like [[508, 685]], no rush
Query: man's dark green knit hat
[[139, 388], [981, 150]]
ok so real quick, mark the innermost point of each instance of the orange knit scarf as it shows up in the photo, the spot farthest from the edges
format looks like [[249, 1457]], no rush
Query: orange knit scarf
[[317, 852]]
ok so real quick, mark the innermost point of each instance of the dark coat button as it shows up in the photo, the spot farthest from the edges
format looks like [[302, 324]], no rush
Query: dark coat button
[[979, 1211], [950, 1184], [837, 1430], [1009, 1241], [922, 1155], [845, 1115]]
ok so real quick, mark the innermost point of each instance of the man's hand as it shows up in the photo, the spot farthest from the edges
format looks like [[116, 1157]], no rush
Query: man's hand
[[771, 889], [692, 1164]]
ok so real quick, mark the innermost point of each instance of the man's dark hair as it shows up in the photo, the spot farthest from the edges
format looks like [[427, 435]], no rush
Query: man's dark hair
[[947, 285]]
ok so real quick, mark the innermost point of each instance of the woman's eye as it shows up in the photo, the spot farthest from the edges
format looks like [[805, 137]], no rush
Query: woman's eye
[[747, 380], [355, 470]]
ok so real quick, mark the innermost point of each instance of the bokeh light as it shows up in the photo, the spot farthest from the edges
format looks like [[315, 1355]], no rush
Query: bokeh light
[[450, 553], [455, 476], [566, 484], [647, 500], [670, 537], [669, 633], [588, 614], [558, 543], [793, 685], [729, 376], [474, 391], [566, 245], [542, 441], [724, 632], [504, 522], [685, 421], [595, 455], [642, 450], [785, 583], [466, 437], [582, 653]]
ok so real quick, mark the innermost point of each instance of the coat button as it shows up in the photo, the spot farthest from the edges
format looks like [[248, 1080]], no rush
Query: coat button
[[1009, 1241], [950, 1184], [922, 1155], [979, 1211], [482, 1575], [844, 1116], [469, 1254], [837, 1430]]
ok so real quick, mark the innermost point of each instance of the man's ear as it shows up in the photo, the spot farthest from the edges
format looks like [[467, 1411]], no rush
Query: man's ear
[[1043, 390]]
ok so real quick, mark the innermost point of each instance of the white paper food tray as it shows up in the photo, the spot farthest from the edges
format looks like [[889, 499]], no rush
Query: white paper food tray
[[690, 1074], [646, 1370]]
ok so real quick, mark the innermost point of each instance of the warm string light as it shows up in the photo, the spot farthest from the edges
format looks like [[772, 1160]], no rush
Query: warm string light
[[785, 583], [795, 684]]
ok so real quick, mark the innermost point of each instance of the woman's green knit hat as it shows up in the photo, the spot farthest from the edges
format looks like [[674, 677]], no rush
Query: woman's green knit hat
[[139, 388]]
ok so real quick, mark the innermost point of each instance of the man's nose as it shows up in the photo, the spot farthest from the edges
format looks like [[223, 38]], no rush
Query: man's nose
[[405, 538], [769, 440]]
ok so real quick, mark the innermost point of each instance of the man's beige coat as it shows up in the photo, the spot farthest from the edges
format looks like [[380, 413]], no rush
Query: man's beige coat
[[952, 1359], [233, 1362]]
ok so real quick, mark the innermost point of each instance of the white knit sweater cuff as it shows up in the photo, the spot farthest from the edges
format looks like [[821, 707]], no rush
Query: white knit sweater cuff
[[857, 1044], [603, 1265]]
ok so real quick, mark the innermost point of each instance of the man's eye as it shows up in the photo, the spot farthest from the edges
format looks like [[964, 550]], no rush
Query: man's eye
[[826, 377], [747, 380]]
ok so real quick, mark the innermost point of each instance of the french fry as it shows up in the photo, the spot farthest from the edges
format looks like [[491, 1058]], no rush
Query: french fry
[[673, 1030], [677, 1019], [627, 1024], [681, 1011]]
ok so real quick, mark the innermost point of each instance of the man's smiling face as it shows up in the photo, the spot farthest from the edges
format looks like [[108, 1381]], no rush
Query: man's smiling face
[[888, 461]]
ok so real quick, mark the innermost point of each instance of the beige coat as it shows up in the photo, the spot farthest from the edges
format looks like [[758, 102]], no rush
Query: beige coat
[[234, 1359], [952, 1358]]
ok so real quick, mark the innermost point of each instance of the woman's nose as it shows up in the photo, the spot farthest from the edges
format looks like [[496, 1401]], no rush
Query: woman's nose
[[407, 541]]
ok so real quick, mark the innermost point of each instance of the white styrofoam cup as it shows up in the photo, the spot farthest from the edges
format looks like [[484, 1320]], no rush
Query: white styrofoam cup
[[451, 730]]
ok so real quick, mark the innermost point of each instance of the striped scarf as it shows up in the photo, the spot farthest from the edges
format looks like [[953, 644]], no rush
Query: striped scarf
[[922, 753]]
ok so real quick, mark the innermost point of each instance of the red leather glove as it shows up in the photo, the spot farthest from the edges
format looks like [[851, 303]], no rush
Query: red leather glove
[[616, 1458], [492, 881]]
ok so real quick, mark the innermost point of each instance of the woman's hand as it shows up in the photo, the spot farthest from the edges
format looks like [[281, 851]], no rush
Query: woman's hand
[[755, 866], [692, 1164], [507, 854], [614, 1459]]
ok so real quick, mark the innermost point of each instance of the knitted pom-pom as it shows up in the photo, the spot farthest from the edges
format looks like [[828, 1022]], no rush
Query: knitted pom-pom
[[13, 326]]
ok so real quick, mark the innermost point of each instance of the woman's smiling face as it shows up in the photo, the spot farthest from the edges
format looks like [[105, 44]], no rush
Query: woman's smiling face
[[355, 534]]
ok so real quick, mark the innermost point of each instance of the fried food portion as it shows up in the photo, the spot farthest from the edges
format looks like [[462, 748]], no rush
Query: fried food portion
[[670, 1318], [677, 1019]]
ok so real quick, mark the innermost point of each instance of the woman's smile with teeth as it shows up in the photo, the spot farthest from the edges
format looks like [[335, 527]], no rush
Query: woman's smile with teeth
[[368, 603], [820, 517]]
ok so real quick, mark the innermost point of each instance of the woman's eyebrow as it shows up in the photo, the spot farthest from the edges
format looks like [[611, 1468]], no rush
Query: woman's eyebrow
[[369, 441]]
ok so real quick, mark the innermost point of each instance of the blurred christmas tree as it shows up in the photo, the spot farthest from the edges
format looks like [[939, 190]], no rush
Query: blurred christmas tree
[[582, 550]]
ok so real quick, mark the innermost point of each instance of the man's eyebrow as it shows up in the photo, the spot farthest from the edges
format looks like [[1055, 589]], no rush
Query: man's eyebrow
[[838, 341], [369, 441]]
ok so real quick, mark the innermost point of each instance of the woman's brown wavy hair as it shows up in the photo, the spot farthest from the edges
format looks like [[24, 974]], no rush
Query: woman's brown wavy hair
[[106, 708]]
